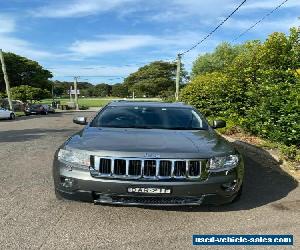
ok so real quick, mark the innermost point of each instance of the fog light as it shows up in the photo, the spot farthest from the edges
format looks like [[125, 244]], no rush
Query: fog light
[[67, 182], [230, 186]]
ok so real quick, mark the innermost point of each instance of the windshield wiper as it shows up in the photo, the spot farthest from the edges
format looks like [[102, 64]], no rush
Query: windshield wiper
[[145, 127]]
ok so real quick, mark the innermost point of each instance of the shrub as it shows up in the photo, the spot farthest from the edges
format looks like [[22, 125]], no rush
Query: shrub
[[82, 107], [256, 87], [277, 113], [205, 93]]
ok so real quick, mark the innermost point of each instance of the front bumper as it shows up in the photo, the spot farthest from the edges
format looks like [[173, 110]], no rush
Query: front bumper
[[82, 186]]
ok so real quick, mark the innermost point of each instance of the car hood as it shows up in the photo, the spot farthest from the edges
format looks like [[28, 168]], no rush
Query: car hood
[[151, 142]]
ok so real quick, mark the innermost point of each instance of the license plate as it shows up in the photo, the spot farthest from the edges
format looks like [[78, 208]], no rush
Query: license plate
[[149, 190]]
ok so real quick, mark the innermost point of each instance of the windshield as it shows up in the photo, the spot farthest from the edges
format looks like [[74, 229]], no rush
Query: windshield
[[149, 118]]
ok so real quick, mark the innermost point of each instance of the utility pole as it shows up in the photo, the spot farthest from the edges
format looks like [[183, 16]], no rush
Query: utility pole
[[52, 92], [75, 89], [178, 76], [70, 93], [6, 80]]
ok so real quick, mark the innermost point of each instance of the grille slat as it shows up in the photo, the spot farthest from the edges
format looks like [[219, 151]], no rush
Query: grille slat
[[135, 167], [105, 166], [150, 168], [120, 167], [146, 168], [165, 168], [194, 168], [180, 168]]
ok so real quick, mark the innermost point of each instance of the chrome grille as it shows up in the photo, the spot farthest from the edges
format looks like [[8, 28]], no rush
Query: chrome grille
[[149, 168], [180, 168], [194, 168], [165, 168], [105, 166], [137, 168], [119, 167]]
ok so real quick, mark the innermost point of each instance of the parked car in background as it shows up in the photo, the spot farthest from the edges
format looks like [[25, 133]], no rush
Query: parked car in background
[[7, 114], [36, 109], [49, 108]]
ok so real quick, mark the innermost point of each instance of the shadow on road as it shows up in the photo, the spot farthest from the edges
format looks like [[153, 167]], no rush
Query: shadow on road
[[31, 134], [57, 114], [30, 117], [264, 183]]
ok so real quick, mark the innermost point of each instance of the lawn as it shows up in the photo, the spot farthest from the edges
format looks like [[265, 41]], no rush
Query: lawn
[[19, 113], [95, 102]]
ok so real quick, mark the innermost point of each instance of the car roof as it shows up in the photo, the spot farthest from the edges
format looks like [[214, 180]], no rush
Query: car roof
[[149, 104]]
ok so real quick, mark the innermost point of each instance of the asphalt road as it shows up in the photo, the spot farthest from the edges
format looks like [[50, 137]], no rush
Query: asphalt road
[[31, 217]]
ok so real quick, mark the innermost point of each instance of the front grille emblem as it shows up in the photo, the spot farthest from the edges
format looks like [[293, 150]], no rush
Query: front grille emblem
[[152, 155]]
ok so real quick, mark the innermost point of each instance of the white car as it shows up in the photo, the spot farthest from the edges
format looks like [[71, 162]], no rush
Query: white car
[[7, 114]]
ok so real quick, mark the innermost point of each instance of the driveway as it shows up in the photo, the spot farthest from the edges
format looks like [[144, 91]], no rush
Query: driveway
[[31, 217]]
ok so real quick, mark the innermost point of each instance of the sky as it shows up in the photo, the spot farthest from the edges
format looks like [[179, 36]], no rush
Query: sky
[[106, 40]]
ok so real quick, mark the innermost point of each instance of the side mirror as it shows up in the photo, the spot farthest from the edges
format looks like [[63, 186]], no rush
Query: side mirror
[[80, 120], [218, 124]]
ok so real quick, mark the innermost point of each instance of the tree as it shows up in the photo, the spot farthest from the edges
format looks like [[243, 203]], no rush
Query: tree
[[102, 90], [119, 90], [218, 60], [27, 93], [61, 88], [206, 93], [154, 79], [23, 71]]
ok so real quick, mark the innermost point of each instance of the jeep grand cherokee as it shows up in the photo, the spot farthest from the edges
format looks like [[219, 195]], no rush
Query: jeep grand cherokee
[[148, 153]]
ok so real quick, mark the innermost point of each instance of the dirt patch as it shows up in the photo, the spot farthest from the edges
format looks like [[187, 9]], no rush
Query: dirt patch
[[287, 205]]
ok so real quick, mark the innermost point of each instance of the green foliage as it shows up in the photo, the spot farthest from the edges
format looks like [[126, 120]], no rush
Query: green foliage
[[102, 90], [154, 79], [27, 93], [2, 95], [256, 85], [82, 107], [205, 93], [219, 60], [62, 88], [119, 90], [22, 71], [290, 152], [277, 114]]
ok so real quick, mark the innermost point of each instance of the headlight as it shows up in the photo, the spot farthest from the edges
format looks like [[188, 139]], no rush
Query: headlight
[[223, 162], [76, 157]]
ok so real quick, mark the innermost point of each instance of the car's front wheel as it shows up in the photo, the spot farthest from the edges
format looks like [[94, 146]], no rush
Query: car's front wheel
[[12, 116], [239, 194], [58, 195]]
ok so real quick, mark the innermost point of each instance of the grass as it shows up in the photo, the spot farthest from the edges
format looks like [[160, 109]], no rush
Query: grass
[[95, 102], [19, 113]]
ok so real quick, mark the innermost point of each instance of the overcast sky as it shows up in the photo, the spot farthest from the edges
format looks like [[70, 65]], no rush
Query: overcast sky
[[114, 37]]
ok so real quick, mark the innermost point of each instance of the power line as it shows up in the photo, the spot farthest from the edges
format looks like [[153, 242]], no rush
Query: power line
[[215, 29], [259, 21]]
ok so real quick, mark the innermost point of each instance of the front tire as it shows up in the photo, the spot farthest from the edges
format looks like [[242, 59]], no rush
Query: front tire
[[12, 116], [239, 194], [58, 195]]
